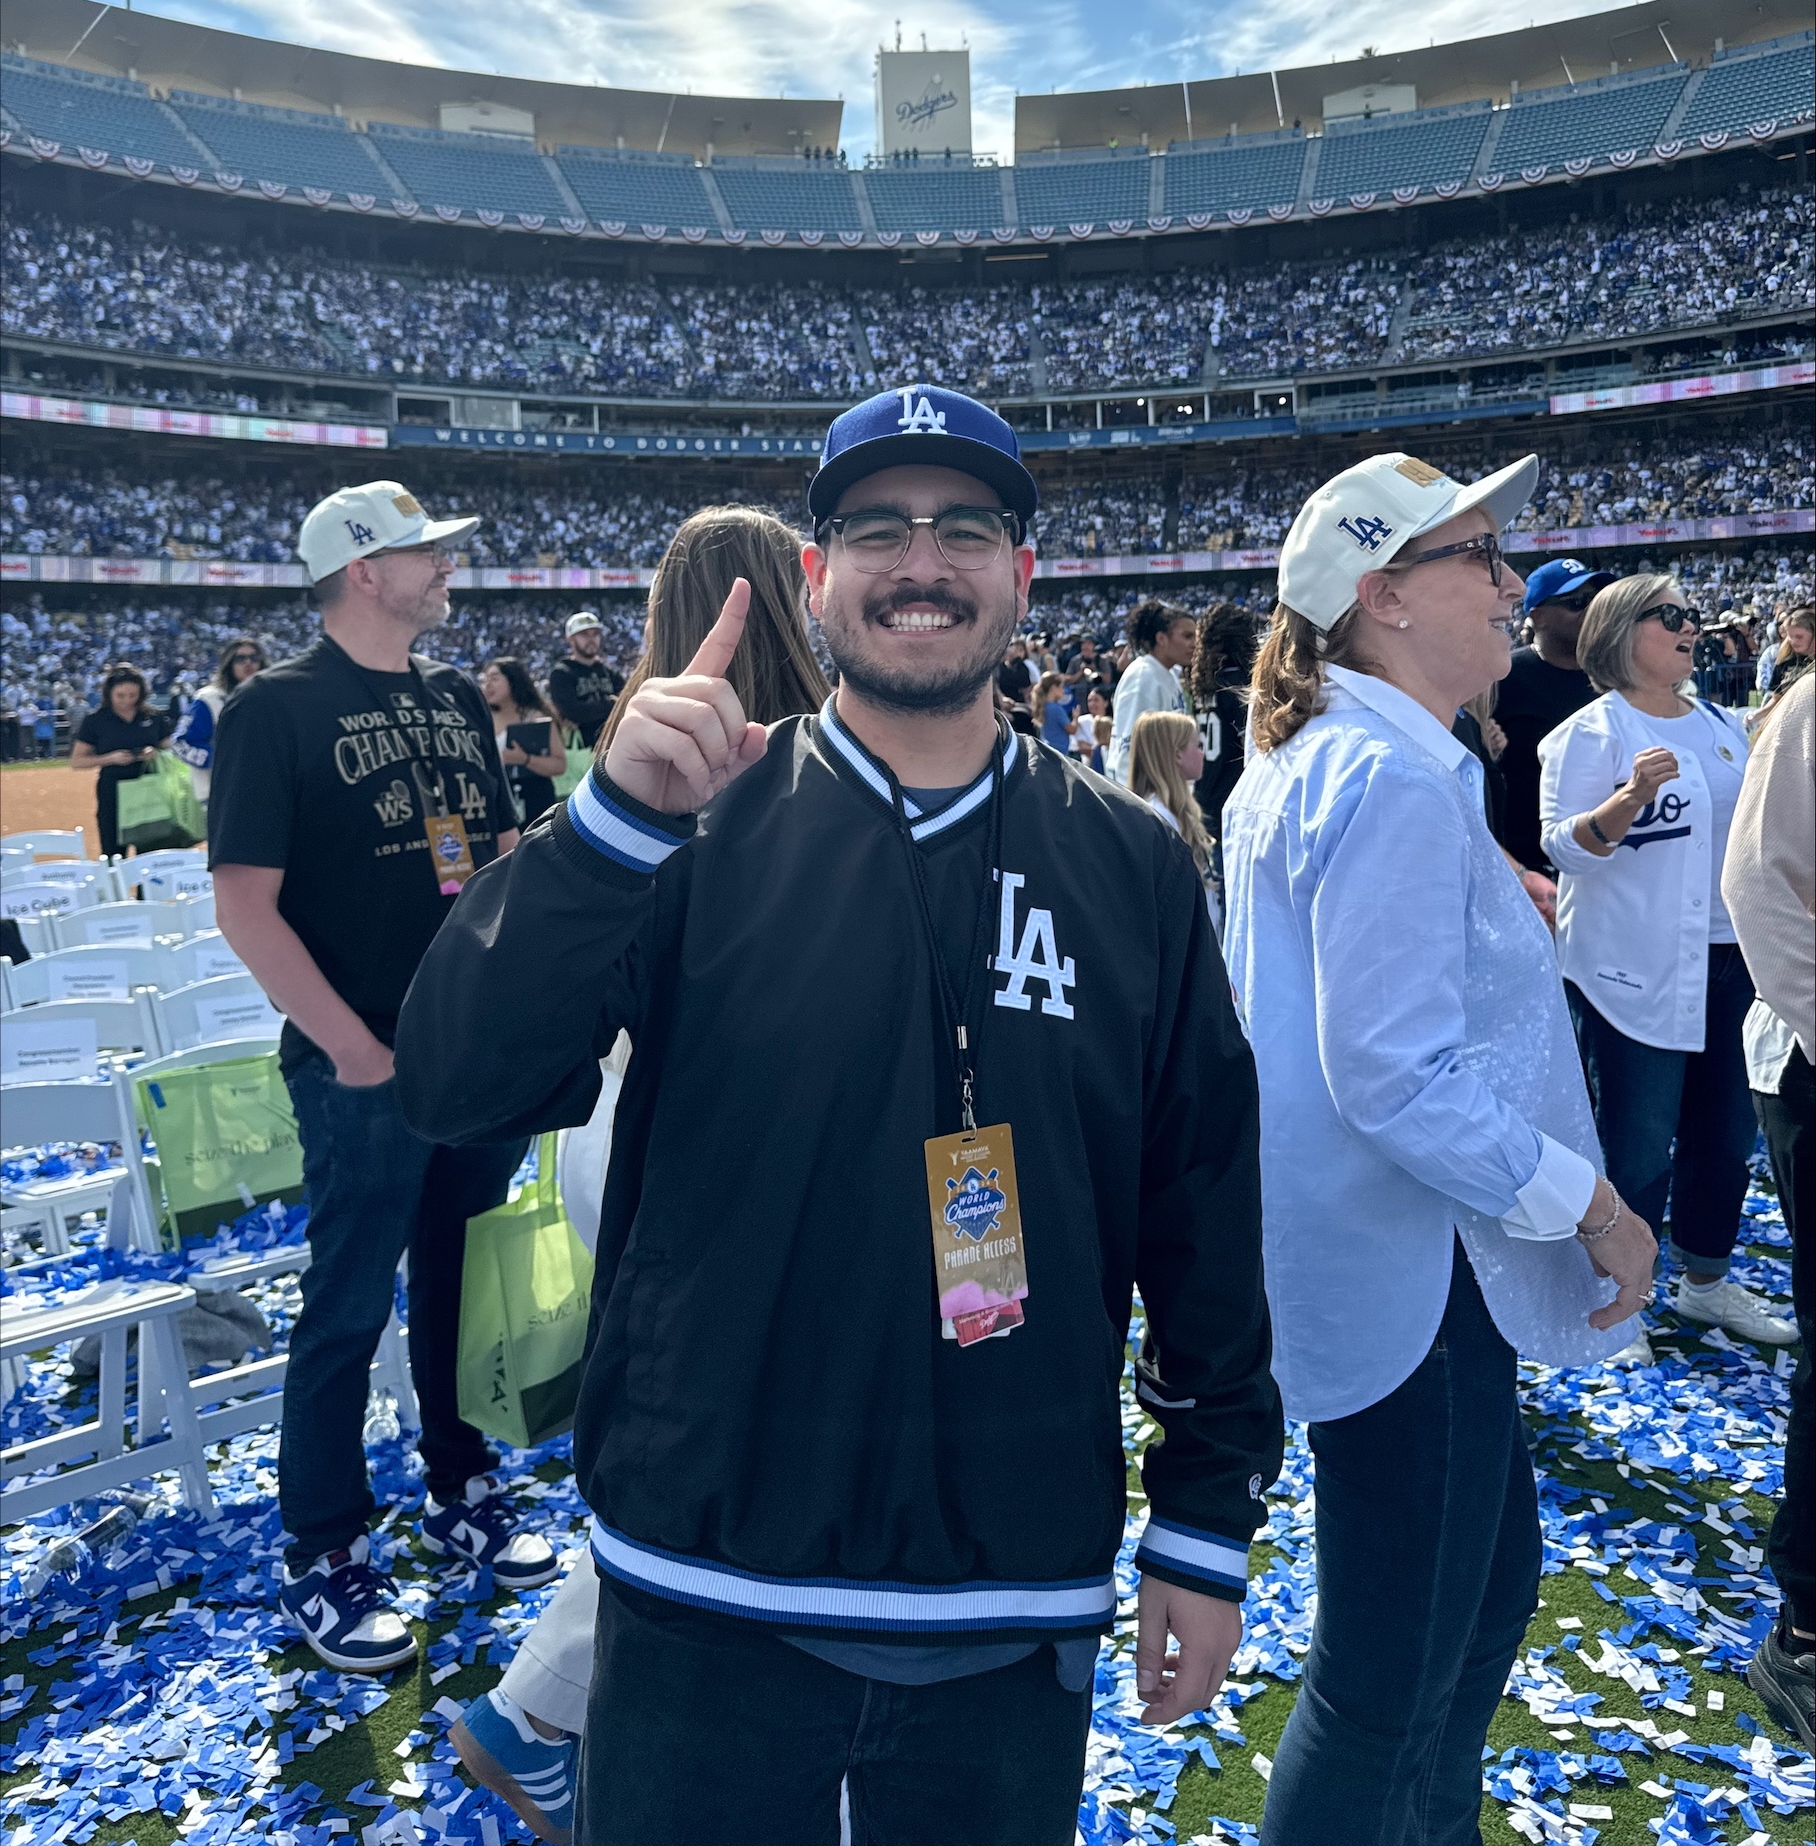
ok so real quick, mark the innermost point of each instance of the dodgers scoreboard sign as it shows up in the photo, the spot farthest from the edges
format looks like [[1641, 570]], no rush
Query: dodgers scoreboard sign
[[923, 103]]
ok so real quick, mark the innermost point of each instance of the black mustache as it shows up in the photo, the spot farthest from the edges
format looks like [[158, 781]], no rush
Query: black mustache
[[933, 595]]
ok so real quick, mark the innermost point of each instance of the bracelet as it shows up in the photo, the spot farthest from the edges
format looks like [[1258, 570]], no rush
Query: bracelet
[[1595, 827], [1596, 1232]]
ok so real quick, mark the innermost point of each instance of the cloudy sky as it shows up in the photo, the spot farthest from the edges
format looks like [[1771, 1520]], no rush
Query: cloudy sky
[[765, 47]]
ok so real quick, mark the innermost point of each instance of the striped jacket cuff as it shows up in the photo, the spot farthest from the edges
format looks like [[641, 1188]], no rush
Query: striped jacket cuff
[[621, 828], [1194, 1559]]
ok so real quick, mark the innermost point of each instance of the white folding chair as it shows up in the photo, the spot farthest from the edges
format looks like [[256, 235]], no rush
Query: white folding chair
[[127, 921], [205, 957], [49, 842], [120, 1025], [12, 857], [82, 972], [174, 872], [109, 1310], [35, 906], [196, 912], [7, 1002], [232, 1006]]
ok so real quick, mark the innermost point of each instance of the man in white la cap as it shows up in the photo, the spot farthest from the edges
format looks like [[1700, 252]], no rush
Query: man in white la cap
[[584, 687], [1432, 1199], [356, 788]]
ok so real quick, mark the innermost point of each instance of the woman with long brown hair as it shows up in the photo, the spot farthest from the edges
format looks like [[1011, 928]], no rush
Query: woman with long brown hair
[[773, 672], [1166, 756], [519, 1739]]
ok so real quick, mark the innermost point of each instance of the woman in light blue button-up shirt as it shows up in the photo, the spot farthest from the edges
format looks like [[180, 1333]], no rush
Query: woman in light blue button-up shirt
[[1431, 1194]]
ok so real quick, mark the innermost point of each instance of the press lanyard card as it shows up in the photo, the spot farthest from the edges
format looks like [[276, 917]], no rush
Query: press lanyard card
[[453, 856], [980, 1265]]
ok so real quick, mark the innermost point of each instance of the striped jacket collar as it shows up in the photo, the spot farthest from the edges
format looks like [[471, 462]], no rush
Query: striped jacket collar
[[847, 753]]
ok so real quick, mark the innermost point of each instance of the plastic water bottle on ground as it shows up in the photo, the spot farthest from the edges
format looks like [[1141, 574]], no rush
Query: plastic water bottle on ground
[[381, 1419], [68, 1557]]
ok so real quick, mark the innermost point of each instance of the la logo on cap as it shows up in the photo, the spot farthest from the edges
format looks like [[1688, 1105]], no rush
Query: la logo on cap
[[918, 415]]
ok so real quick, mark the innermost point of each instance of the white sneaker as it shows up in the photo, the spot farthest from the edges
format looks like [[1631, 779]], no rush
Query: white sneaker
[[1637, 1352], [1729, 1306]]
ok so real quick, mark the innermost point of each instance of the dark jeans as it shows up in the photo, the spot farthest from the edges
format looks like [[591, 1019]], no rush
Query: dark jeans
[[1789, 1120], [1677, 1126], [376, 1189], [700, 1730], [1428, 1572]]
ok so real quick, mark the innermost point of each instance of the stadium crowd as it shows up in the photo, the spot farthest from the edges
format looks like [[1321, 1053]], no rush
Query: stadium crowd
[[1760, 464], [56, 654], [1688, 263]]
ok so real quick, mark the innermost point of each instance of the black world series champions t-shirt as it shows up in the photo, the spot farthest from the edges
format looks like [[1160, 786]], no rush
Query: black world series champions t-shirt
[[320, 769]]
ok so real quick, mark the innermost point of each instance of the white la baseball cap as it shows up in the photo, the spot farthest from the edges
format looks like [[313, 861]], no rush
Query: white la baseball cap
[[359, 521], [580, 621], [1357, 521]]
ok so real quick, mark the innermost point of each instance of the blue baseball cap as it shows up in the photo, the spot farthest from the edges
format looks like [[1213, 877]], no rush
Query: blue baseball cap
[[1563, 577], [928, 426]]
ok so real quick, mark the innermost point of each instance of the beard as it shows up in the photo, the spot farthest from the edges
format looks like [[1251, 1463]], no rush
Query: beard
[[941, 690]]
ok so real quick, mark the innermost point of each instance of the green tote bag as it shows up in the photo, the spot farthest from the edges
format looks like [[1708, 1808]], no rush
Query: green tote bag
[[226, 1140], [524, 1291]]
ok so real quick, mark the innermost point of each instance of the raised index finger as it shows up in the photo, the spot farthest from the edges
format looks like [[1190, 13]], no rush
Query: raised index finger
[[714, 653]]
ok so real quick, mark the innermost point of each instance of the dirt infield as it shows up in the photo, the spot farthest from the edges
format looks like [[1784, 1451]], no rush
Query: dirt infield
[[36, 795]]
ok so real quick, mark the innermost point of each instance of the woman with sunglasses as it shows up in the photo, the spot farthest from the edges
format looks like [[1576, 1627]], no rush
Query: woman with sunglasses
[[1637, 794], [194, 742], [1430, 1197]]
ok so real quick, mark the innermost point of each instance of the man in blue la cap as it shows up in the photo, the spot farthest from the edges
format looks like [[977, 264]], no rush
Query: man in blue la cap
[[1542, 688], [855, 1464]]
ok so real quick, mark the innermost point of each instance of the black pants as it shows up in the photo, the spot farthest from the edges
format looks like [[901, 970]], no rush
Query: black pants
[[376, 1189], [1428, 1572], [701, 1730], [1676, 1127], [1789, 1121]]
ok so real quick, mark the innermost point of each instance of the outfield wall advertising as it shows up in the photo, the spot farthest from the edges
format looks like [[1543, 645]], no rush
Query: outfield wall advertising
[[162, 420]]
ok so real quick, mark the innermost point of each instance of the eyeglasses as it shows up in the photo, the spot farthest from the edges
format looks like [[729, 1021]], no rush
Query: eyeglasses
[[1672, 617], [440, 552], [969, 537], [1486, 545], [1575, 604]]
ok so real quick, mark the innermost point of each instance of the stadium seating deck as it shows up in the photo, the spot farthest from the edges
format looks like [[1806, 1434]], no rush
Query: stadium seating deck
[[1424, 152], [636, 190], [1742, 89], [1591, 120], [1251, 174], [935, 197], [80, 110], [281, 144], [1082, 191], [470, 171], [800, 197]]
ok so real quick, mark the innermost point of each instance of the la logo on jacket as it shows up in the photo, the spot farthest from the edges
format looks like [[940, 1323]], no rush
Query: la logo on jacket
[[1035, 958]]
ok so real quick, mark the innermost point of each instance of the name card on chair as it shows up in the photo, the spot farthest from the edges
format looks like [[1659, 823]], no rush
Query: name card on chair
[[89, 980], [252, 1016], [36, 900], [120, 932], [212, 963], [48, 1051], [179, 881]]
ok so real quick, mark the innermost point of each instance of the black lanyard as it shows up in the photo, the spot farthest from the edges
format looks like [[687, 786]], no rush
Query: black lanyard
[[961, 1033]]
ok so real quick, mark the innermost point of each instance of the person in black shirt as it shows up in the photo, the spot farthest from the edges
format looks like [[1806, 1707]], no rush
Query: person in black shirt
[[1542, 688], [356, 788], [528, 745], [119, 737], [1222, 659], [583, 688]]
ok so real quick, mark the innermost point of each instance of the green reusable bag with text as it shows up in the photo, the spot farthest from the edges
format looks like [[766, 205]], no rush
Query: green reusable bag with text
[[157, 809], [226, 1139], [524, 1291], [579, 763]]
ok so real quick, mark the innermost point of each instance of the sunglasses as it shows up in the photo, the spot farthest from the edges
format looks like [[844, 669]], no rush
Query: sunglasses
[[240, 660], [1485, 545], [1672, 617]]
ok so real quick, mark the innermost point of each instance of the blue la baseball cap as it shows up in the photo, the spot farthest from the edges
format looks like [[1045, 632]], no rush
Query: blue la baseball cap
[[927, 425], [1563, 577]]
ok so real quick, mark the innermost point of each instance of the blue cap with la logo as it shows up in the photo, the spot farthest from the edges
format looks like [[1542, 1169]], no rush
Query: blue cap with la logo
[[922, 425]]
